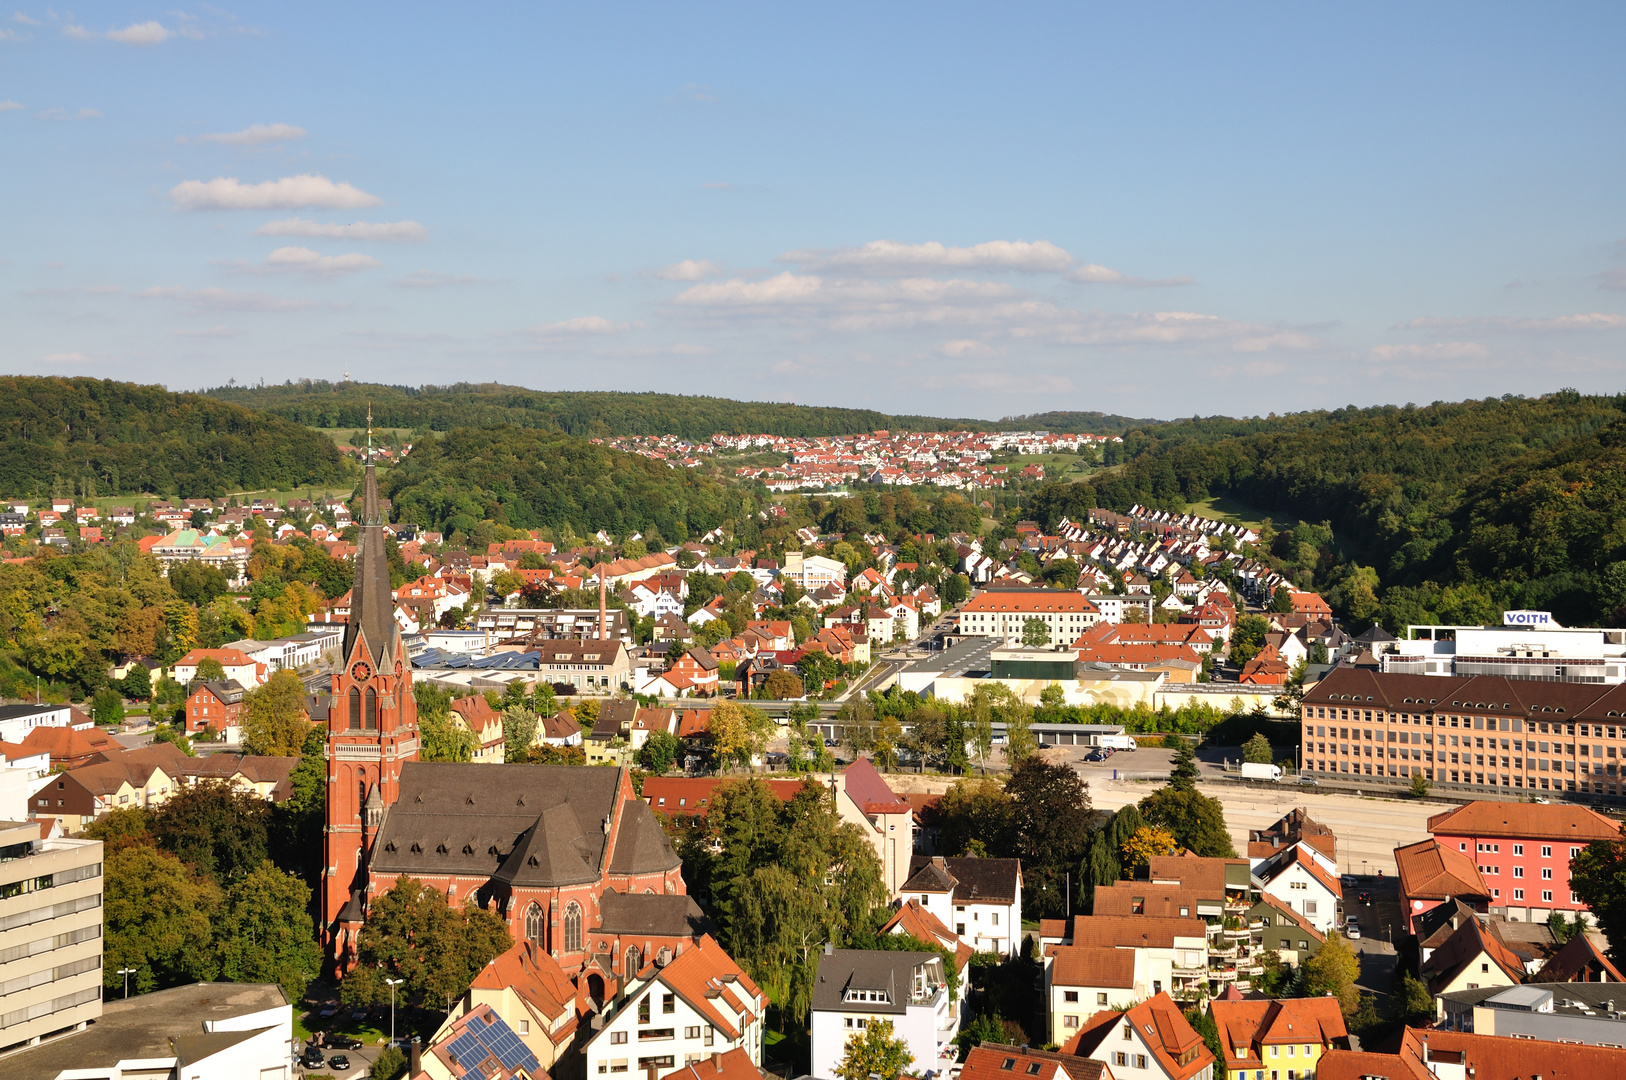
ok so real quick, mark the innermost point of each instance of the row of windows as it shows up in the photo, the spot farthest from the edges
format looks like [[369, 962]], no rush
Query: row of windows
[[1518, 849], [1463, 776], [1478, 723]]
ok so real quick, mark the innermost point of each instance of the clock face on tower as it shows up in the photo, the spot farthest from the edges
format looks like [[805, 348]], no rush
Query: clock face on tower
[[360, 672]]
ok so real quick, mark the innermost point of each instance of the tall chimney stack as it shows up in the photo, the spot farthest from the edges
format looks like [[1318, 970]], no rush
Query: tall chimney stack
[[603, 601]]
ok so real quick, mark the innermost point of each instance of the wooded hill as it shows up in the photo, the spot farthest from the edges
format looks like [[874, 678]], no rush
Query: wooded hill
[[1442, 513], [598, 413], [529, 479], [59, 435]]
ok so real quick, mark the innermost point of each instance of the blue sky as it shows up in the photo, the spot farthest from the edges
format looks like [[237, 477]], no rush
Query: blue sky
[[946, 209]]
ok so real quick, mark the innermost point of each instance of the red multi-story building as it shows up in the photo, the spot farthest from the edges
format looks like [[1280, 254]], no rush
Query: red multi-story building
[[1523, 851]]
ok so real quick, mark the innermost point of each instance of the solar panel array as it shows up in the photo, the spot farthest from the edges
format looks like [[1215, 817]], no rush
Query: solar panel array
[[482, 1041]]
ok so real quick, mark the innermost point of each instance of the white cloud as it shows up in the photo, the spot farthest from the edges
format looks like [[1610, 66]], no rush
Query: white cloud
[[306, 261], [8, 106], [1092, 274], [1439, 350], [1500, 323], [65, 358], [289, 193], [151, 32], [689, 270], [967, 349], [586, 325], [428, 279], [10, 35], [256, 135], [398, 231], [19, 17], [214, 299], [889, 258]]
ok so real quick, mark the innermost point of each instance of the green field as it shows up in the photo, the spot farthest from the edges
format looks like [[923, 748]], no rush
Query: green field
[[344, 435], [1223, 508]]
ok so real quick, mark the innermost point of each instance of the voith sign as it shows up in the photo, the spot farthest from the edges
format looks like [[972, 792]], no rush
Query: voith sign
[[1528, 618]]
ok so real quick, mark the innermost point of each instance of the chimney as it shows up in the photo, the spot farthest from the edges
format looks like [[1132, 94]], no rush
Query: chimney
[[603, 602], [652, 1072], [415, 1056], [716, 1061]]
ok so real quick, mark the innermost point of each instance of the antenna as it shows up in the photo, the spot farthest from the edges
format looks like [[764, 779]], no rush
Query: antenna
[[369, 432]]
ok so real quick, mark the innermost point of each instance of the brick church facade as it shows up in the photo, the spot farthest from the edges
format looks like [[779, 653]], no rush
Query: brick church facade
[[541, 846]]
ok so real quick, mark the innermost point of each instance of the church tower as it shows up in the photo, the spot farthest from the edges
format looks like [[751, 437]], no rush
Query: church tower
[[372, 730]]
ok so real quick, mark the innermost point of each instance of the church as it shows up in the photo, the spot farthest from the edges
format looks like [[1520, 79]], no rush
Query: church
[[551, 849]]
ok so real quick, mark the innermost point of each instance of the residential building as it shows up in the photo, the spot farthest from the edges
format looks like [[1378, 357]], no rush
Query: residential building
[[812, 572], [229, 555], [1523, 851], [1081, 980], [534, 625], [478, 1044], [71, 746], [1435, 1054], [1472, 957], [17, 721], [1004, 613], [673, 1013], [914, 920], [144, 777], [1283, 931], [1283, 1038], [1582, 959], [215, 707], [301, 651], [50, 934], [1171, 955], [1432, 874], [1296, 827], [886, 820], [1151, 1041], [857, 987], [200, 1031], [237, 665], [589, 666], [998, 1061], [476, 716], [1298, 879]]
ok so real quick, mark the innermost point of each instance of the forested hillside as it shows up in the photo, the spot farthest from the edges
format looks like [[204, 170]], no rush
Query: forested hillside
[[530, 479], [1442, 513], [441, 408], [98, 437]]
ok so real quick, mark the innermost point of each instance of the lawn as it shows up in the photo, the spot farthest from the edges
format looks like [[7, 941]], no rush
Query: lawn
[[1224, 508], [346, 436]]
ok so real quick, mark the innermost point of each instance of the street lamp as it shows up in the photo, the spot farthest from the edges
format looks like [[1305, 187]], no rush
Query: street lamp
[[393, 984], [127, 972]]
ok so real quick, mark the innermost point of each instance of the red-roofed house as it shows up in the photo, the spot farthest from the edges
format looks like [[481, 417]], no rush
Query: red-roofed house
[[999, 1061], [1436, 1054], [690, 796], [1278, 1035], [1523, 850], [476, 715], [1151, 1040], [1297, 879], [1431, 874], [887, 821], [237, 664]]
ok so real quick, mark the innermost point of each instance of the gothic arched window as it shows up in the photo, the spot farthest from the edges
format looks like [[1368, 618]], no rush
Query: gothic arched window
[[632, 964], [534, 925], [573, 927], [355, 708], [372, 710]]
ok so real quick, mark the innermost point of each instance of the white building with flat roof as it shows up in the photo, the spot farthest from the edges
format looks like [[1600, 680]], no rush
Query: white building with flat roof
[[1535, 648]]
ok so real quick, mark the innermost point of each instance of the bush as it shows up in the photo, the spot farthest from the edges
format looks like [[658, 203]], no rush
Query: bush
[[389, 1064]]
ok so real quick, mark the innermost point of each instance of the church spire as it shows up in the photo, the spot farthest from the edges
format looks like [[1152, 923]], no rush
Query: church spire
[[372, 607]]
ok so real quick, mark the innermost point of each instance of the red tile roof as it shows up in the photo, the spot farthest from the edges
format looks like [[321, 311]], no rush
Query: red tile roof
[[1431, 871], [1558, 822]]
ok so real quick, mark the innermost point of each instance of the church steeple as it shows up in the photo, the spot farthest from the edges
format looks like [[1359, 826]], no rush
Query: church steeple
[[372, 608]]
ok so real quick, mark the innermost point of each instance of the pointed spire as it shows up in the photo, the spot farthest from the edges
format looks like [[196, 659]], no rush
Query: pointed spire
[[372, 609]]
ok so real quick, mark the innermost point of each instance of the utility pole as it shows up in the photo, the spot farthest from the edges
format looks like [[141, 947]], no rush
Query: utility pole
[[393, 984], [127, 972]]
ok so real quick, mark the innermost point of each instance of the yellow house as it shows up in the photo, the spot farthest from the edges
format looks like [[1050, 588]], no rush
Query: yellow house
[[1277, 1040]]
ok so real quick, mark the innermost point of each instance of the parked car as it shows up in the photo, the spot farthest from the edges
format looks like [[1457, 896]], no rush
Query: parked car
[[329, 1011], [359, 1013], [311, 1057], [1308, 781], [1348, 881], [343, 1042], [1096, 755], [1352, 927], [338, 1062]]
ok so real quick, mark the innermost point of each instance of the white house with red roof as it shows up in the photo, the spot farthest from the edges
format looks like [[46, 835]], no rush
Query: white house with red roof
[[884, 817], [1297, 879], [1152, 1041]]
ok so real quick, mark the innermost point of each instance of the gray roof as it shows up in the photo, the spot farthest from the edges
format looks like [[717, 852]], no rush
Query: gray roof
[[654, 914], [867, 969], [476, 819], [986, 881], [526, 825], [144, 1027], [372, 604]]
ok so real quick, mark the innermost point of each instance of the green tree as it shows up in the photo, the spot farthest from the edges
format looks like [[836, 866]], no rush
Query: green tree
[[1563, 929], [1281, 600], [975, 818], [781, 684], [1598, 877], [297, 822], [1413, 1005], [1035, 633], [1050, 829], [137, 685], [411, 933], [265, 932], [660, 752], [1333, 970], [1202, 1022], [1147, 843], [159, 920], [1247, 638], [275, 722], [210, 669], [1196, 821], [739, 733], [874, 1052], [1257, 750], [519, 726], [1420, 786], [221, 832], [107, 707], [389, 1064], [441, 735], [1183, 766]]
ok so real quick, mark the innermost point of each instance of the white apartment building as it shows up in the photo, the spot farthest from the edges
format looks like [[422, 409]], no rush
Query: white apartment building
[[858, 987], [50, 934]]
